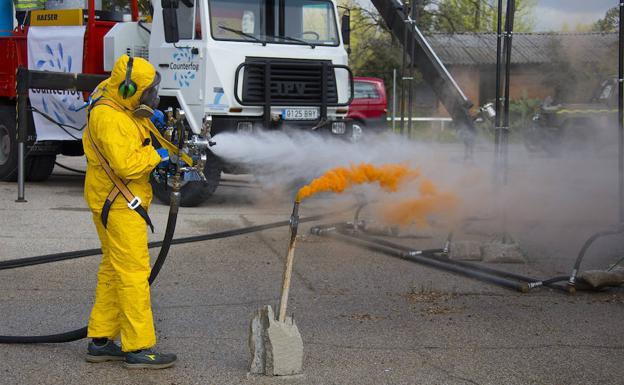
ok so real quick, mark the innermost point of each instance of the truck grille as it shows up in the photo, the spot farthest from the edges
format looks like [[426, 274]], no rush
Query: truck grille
[[292, 82]]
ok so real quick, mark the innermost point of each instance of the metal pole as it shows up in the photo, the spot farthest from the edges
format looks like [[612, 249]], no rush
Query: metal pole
[[403, 77], [394, 83], [621, 113], [497, 106], [22, 129], [511, 10], [20, 172], [410, 91]]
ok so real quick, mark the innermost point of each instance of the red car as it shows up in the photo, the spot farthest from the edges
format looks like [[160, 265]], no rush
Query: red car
[[369, 106]]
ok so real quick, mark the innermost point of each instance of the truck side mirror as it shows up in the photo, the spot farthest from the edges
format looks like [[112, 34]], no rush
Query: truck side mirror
[[345, 27], [170, 20]]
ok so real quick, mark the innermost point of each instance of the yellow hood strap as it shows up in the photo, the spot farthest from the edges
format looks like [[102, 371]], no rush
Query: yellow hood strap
[[172, 148]]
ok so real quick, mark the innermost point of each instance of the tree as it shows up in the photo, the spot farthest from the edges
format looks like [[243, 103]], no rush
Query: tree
[[477, 15], [373, 50], [572, 76], [610, 23]]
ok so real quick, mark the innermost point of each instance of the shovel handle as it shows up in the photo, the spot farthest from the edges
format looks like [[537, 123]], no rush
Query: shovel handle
[[288, 267]]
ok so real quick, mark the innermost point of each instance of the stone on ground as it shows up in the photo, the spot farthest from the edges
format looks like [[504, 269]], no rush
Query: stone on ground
[[603, 278], [465, 251], [499, 252], [276, 347]]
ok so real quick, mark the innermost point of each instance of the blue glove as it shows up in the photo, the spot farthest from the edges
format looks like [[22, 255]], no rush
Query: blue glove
[[158, 118], [164, 156]]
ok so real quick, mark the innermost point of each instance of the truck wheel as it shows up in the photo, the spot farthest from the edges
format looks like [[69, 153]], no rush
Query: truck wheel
[[8, 144], [39, 167], [193, 193]]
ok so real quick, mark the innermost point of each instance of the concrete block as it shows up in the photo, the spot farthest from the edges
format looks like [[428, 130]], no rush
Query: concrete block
[[603, 278], [276, 348], [466, 251], [257, 330], [498, 252]]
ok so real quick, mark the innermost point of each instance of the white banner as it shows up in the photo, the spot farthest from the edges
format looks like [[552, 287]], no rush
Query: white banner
[[55, 111]]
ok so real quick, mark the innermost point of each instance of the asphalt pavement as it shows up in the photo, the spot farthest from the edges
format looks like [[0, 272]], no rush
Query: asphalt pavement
[[365, 318]]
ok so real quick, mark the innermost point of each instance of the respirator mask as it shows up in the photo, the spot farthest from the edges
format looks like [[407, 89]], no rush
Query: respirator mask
[[149, 99]]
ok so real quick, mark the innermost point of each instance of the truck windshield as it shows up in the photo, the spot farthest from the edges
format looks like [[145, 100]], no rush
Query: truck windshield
[[304, 22]]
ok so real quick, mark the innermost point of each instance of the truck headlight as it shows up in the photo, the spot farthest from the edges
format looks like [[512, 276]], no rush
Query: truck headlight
[[245, 127], [338, 128]]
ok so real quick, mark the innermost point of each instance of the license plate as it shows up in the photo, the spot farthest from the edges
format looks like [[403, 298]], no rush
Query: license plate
[[300, 113]]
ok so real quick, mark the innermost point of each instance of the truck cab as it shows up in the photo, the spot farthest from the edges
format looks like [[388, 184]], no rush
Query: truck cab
[[245, 66]]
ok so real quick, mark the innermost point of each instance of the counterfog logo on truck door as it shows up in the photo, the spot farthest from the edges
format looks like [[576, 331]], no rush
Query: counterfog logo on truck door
[[184, 67]]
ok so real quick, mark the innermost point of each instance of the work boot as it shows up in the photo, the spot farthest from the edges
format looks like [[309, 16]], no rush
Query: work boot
[[148, 359], [108, 351]]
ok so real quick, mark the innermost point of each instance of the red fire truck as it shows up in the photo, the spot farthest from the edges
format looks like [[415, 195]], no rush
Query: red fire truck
[[41, 155]]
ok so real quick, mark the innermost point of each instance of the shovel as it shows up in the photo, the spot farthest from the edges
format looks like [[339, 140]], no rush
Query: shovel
[[275, 345]]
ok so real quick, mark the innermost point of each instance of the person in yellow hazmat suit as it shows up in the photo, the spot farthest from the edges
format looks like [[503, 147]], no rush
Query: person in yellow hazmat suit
[[120, 157]]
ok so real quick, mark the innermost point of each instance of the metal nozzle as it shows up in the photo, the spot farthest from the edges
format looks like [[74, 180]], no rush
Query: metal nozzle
[[294, 217], [489, 111]]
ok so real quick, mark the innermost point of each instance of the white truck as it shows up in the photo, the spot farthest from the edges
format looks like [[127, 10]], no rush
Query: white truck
[[240, 66]]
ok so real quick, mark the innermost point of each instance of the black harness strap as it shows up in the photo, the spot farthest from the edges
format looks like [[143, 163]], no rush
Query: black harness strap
[[109, 202]]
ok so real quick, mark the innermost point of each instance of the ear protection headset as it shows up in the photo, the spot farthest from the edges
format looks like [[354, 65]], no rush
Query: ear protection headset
[[128, 87]]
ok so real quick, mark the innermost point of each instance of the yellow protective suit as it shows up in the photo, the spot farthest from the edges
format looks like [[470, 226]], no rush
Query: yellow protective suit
[[122, 298]]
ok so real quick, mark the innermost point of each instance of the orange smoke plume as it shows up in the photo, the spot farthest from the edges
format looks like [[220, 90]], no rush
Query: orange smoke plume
[[416, 210], [389, 177]]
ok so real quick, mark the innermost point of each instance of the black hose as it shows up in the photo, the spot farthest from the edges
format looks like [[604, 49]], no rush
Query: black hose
[[394, 245], [432, 253], [67, 255], [143, 27], [70, 336], [70, 169], [550, 282], [166, 242], [60, 125], [586, 245], [172, 218], [432, 262], [81, 333], [47, 258]]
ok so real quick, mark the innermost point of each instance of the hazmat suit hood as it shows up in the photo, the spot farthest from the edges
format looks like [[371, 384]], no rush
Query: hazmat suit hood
[[143, 75]]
